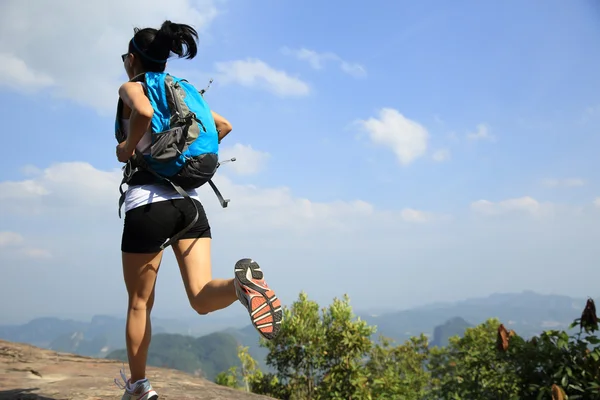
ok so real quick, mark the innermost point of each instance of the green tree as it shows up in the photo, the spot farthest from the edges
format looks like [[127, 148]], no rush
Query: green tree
[[398, 372], [320, 354], [250, 378], [328, 354], [348, 344], [471, 368], [298, 352], [229, 378], [555, 359]]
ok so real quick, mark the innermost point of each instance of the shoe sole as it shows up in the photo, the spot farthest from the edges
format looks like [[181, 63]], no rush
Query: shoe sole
[[265, 307]]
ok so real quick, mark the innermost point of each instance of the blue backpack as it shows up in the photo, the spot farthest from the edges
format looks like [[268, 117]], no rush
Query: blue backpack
[[185, 142]]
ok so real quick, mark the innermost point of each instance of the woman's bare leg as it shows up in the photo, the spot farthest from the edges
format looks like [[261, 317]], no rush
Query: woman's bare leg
[[139, 271], [204, 293]]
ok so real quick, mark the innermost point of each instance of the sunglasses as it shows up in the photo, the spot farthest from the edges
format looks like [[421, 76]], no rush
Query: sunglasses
[[124, 56]]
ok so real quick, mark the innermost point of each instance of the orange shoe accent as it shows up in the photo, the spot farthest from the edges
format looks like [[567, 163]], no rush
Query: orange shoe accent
[[261, 302]]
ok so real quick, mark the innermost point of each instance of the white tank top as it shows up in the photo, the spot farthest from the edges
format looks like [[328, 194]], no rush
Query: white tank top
[[137, 196]]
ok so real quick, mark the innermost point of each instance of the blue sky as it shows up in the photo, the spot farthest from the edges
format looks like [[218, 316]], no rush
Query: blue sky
[[485, 160]]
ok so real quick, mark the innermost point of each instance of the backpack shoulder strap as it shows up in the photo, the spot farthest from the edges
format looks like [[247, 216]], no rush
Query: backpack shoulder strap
[[119, 134], [224, 202]]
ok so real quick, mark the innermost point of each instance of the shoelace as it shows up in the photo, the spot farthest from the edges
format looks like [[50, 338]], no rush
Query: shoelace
[[124, 377]]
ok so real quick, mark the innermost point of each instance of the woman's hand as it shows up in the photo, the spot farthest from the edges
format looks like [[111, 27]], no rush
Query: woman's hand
[[123, 152]]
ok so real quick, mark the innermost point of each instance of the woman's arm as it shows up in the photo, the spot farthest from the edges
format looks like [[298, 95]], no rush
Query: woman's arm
[[132, 94], [223, 126]]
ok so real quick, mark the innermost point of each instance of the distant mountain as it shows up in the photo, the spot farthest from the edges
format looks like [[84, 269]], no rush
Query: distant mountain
[[528, 313], [205, 356], [102, 335], [105, 333], [249, 337], [95, 338], [40, 332], [453, 327]]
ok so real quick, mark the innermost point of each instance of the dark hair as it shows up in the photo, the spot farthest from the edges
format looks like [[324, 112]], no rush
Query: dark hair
[[155, 46]]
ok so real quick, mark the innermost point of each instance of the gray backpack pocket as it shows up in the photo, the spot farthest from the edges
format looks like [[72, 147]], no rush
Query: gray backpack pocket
[[168, 145]]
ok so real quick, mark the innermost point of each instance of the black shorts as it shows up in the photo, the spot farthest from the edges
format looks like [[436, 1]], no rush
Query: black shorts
[[147, 227]]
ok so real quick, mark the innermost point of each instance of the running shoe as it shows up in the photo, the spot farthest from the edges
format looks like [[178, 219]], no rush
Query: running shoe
[[141, 390], [260, 301]]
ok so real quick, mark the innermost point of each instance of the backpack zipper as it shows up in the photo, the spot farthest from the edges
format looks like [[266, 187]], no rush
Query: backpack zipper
[[174, 88]]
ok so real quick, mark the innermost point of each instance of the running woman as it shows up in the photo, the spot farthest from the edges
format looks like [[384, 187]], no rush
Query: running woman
[[154, 212]]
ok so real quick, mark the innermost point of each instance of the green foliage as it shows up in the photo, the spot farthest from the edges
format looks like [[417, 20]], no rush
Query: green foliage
[[327, 354], [399, 372], [555, 358], [347, 344], [320, 354], [471, 368], [298, 353], [250, 378], [228, 378]]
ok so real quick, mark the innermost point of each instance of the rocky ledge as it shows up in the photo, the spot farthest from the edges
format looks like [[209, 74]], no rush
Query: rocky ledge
[[28, 372]]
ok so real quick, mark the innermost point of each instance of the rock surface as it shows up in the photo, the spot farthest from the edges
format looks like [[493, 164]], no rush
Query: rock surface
[[28, 372]]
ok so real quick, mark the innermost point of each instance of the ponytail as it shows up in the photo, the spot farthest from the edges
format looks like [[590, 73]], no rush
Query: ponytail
[[176, 36], [155, 46]]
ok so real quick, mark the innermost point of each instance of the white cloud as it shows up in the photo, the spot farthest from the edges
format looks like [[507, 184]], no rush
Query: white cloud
[[247, 160], [75, 189], [412, 215], [597, 202], [318, 60], [38, 254], [354, 69], [254, 73], [526, 204], [16, 74], [77, 224], [15, 244], [8, 239], [441, 155], [568, 182], [21, 190], [482, 133], [406, 138], [57, 186], [325, 247], [64, 43]]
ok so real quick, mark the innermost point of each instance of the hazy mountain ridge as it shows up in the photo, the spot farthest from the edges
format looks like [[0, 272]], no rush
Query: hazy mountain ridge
[[453, 327], [102, 334], [528, 313], [204, 356]]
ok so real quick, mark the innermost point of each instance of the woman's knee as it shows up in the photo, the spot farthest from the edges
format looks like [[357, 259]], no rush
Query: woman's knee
[[138, 303], [201, 311], [200, 308]]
